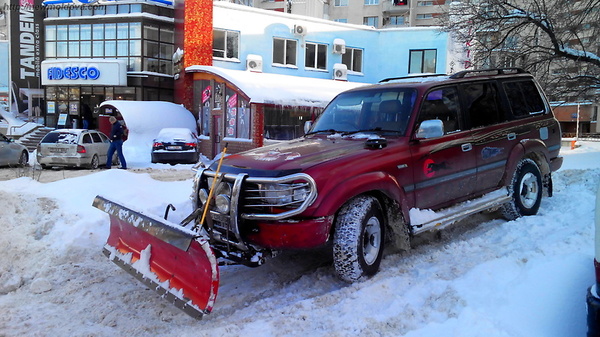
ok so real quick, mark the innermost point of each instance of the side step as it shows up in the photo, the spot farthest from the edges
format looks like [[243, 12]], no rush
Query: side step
[[447, 216]]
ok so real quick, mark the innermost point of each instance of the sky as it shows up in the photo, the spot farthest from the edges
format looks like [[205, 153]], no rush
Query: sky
[[488, 277]]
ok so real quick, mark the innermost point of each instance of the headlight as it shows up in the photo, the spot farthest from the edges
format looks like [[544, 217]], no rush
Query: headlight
[[203, 195], [222, 203], [284, 194]]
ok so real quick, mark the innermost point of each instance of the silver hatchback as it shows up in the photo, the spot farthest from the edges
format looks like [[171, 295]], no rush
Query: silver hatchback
[[12, 153], [73, 147]]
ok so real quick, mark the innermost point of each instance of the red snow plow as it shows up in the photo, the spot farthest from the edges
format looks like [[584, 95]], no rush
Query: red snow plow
[[174, 261]]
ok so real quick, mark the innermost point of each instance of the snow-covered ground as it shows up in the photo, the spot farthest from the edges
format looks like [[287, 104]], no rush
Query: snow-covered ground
[[487, 278]]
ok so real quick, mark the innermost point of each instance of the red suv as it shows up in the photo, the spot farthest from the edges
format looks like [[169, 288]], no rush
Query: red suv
[[379, 156]]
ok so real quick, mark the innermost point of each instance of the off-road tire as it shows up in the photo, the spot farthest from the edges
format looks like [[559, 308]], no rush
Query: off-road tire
[[526, 191], [95, 162], [358, 240]]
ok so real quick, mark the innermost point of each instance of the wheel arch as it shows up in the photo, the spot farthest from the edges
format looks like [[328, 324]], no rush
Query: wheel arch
[[533, 149]]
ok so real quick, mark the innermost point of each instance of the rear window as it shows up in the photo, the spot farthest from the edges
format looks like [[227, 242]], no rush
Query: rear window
[[96, 137], [61, 137], [524, 98]]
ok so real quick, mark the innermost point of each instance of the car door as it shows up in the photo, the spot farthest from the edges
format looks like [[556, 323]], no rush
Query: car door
[[98, 146], [444, 167], [5, 151]]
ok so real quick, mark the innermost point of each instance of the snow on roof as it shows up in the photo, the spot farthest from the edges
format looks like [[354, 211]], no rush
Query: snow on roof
[[145, 119], [280, 89]]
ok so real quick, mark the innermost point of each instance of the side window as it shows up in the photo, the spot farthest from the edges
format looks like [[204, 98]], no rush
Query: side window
[[482, 104], [104, 138], [442, 104], [87, 139], [96, 137], [524, 98]]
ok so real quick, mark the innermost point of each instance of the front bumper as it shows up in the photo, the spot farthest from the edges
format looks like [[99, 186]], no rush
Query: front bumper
[[593, 312]]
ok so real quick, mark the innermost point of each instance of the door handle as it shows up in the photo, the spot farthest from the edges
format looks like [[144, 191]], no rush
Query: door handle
[[466, 147], [511, 136]]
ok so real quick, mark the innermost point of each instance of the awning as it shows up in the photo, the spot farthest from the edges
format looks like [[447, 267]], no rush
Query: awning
[[279, 89]]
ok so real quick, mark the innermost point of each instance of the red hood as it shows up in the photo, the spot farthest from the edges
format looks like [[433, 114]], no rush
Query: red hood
[[295, 155]]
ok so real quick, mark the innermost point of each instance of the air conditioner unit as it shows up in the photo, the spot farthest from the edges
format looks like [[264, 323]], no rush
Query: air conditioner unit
[[300, 30], [254, 63], [339, 46], [340, 72]]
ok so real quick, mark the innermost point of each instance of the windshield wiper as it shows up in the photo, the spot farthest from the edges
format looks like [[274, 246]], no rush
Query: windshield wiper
[[377, 129], [329, 131]]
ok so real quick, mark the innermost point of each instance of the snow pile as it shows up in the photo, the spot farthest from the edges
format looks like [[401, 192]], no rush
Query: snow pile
[[488, 277]]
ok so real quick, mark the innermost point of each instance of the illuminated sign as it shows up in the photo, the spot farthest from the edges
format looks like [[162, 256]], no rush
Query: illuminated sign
[[84, 72], [73, 73]]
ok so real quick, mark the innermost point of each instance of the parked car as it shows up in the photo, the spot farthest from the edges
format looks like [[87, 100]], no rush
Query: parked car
[[376, 159], [12, 153], [593, 298], [73, 147], [175, 146]]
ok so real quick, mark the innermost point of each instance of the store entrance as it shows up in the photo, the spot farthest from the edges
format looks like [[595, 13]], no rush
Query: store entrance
[[89, 113]]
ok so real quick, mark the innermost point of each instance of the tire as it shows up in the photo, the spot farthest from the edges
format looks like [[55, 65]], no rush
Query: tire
[[95, 162], [23, 159], [358, 240], [526, 191]]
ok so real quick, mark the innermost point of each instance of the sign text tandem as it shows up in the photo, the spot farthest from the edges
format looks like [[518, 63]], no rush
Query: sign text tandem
[[73, 73]]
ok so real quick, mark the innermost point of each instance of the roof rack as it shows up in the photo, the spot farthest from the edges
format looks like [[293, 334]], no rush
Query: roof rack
[[488, 72], [410, 77]]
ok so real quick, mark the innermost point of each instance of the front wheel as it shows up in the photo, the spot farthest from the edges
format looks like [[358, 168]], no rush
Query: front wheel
[[526, 191], [358, 239]]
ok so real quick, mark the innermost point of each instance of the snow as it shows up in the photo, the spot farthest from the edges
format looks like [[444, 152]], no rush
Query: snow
[[487, 277]]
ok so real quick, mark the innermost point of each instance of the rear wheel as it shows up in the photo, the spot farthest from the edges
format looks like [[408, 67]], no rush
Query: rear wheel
[[358, 239], [95, 162], [526, 191], [24, 158]]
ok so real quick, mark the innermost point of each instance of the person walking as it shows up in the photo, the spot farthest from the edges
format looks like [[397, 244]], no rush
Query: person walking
[[116, 143]]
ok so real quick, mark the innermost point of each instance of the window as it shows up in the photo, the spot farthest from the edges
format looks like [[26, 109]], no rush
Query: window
[[422, 61], [341, 20], [340, 3], [396, 20], [524, 98], [237, 124], [424, 16], [316, 56], [371, 21], [284, 51], [400, 2], [353, 59], [225, 44], [285, 123], [442, 104], [481, 104], [371, 2], [425, 3]]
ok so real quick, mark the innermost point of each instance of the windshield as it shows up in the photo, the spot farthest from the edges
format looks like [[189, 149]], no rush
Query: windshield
[[382, 111]]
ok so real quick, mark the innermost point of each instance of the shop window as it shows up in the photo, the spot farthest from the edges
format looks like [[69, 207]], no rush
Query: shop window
[[122, 30], [353, 59], [284, 51], [316, 56], [225, 44], [237, 123], [285, 123], [422, 61], [202, 95]]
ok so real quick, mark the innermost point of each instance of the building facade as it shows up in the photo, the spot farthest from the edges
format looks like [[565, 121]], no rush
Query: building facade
[[375, 13], [102, 51]]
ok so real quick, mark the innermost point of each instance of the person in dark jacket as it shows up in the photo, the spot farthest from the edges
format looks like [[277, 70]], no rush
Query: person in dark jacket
[[116, 143]]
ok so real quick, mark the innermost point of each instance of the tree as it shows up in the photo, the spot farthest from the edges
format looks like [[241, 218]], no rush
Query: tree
[[559, 42]]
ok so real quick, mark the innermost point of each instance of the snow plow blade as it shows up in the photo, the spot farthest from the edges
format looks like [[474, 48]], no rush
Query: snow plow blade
[[168, 258]]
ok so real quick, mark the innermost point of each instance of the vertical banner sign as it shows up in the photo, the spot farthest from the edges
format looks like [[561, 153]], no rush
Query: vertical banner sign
[[26, 36]]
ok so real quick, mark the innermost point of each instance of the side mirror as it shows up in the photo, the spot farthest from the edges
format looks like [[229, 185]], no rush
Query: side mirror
[[432, 128], [307, 126]]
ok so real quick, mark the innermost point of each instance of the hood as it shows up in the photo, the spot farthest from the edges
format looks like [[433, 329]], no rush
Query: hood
[[296, 155]]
